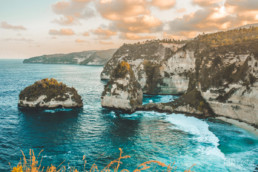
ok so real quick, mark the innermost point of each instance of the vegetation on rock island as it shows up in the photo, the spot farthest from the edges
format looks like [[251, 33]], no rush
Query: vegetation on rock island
[[49, 87], [122, 69]]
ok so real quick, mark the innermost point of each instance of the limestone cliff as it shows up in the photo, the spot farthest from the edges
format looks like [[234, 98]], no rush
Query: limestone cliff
[[220, 70], [122, 92], [227, 78], [151, 66], [49, 94]]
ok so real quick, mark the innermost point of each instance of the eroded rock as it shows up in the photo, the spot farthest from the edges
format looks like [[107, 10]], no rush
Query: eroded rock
[[123, 91], [49, 94]]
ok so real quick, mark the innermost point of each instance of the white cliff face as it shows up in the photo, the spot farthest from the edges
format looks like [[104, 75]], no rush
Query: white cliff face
[[226, 76], [137, 55], [118, 98], [175, 73], [53, 103], [123, 93], [242, 104]]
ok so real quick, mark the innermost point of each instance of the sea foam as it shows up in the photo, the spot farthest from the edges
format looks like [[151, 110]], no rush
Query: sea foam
[[200, 131]]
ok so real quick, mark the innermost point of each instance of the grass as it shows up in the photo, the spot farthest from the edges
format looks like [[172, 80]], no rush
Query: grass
[[33, 164]]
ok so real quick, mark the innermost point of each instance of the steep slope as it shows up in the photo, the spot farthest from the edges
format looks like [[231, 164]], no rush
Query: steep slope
[[220, 70], [122, 91], [146, 62], [93, 57]]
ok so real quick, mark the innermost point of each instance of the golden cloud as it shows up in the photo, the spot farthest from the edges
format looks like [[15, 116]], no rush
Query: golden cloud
[[79, 41], [163, 4], [117, 9], [104, 33], [245, 11], [216, 17], [61, 32], [131, 16], [86, 34], [207, 3], [181, 10], [139, 24], [71, 11], [65, 20], [133, 36], [5, 25]]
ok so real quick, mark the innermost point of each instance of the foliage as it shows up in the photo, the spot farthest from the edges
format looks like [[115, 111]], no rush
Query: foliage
[[122, 69], [34, 165], [229, 37], [200, 107], [161, 41], [49, 87]]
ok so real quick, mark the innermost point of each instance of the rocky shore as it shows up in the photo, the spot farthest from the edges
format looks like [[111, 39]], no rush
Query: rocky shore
[[217, 74]]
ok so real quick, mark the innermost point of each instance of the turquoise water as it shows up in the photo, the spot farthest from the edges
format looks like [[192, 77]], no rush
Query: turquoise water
[[98, 133]]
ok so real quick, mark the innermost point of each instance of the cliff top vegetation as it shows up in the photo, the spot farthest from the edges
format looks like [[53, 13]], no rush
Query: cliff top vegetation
[[49, 87]]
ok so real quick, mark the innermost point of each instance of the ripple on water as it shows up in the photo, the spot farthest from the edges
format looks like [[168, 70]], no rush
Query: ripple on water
[[98, 133]]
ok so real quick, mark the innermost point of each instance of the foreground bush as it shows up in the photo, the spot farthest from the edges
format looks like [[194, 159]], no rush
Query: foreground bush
[[33, 165]]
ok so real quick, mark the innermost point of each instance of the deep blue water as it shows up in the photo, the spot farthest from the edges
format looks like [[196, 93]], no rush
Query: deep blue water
[[98, 133]]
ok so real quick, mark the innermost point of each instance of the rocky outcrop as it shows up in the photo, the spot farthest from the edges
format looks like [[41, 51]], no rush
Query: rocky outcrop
[[217, 72], [123, 91], [191, 103], [93, 57], [227, 78], [49, 94], [151, 63]]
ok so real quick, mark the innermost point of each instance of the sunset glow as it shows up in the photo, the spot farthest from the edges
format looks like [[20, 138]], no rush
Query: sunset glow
[[30, 28]]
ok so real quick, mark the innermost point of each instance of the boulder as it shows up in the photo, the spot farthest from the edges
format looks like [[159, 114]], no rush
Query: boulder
[[122, 92], [49, 94]]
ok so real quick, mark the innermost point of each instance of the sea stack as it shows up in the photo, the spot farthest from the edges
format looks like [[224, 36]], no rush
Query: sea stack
[[122, 92], [49, 94]]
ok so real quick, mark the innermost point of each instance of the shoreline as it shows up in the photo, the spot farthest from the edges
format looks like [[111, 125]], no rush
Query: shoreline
[[237, 123]]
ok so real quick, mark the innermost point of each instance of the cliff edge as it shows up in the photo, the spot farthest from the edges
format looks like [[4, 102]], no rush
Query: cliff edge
[[220, 70]]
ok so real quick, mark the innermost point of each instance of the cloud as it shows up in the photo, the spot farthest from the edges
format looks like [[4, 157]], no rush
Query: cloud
[[81, 0], [104, 33], [181, 10], [61, 32], [215, 16], [242, 5], [106, 42], [207, 3], [5, 25], [86, 34], [79, 41], [72, 11], [117, 9], [163, 4], [133, 36], [138, 24], [66, 20], [245, 11], [132, 16], [20, 40]]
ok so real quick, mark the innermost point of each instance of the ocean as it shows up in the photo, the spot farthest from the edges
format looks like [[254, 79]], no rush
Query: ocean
[[98, 133]]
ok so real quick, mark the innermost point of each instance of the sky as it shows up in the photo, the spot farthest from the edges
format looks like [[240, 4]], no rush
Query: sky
[[36, 27]]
